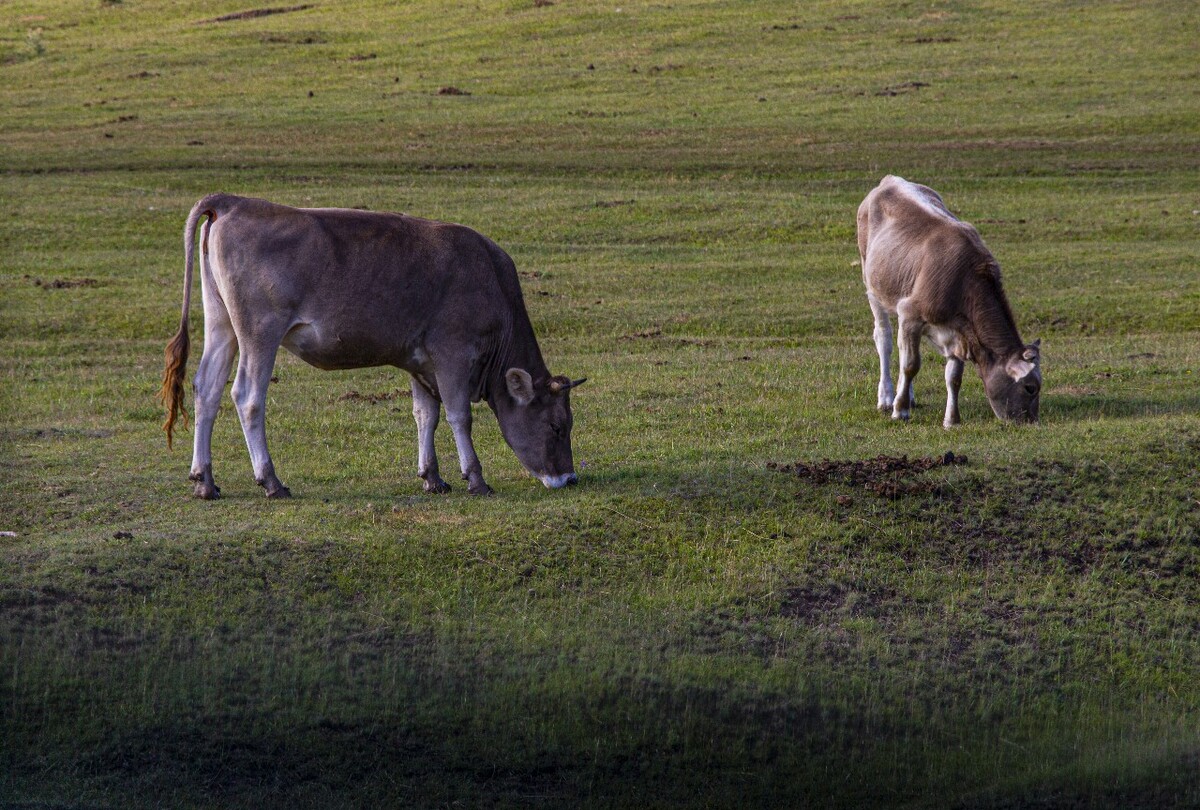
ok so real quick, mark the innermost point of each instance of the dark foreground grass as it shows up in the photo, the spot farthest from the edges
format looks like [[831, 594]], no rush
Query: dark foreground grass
[[763, 593]]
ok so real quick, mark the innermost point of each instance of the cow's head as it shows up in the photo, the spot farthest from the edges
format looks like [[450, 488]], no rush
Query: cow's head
[[1014, 386], [535, 419]]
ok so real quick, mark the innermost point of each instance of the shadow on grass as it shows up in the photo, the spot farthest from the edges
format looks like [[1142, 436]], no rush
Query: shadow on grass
[[562, 734]]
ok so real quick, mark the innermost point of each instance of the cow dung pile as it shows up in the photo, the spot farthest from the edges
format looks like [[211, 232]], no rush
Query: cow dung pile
[[886, 476]]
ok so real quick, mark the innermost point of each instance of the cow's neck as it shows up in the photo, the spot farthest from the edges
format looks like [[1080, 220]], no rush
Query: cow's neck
[[519, 349], [992, 334]]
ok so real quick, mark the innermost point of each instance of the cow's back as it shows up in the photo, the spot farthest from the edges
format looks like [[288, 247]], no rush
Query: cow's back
[[912, 247], [380, 282]]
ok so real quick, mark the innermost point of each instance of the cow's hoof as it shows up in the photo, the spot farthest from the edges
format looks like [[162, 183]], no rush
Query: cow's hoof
[[279, 492], [482, 489], [206, 492], [900, 416], [437, 487]]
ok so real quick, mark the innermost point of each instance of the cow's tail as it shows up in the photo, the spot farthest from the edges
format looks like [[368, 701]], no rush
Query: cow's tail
[[171, 394]]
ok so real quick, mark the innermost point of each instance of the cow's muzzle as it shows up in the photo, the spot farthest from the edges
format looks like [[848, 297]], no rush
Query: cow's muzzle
[[559, 481]]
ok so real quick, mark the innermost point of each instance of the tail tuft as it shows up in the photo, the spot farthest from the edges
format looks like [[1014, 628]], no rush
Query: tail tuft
[[171, 393]]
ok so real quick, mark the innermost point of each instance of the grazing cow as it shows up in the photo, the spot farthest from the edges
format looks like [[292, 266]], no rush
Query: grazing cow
[[343, 288], [933, 272]]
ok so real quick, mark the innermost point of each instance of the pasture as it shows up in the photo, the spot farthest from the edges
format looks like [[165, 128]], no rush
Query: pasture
[[763, 592]]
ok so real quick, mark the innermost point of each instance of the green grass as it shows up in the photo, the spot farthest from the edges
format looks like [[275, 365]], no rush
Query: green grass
[[692, 625]]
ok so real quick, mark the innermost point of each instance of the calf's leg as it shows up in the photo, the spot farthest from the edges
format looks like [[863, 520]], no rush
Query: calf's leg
[[883, 346], [954, 373], [909, 328], [426, 412]]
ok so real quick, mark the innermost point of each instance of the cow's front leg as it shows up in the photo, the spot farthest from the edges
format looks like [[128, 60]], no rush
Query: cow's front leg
[[954, 373], [458, 414], [220, 345], [886, 394], [426, 412], [909, 329], [250, 396]]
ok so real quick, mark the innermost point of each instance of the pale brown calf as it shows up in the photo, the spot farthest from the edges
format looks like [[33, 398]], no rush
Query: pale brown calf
[[933, 272]]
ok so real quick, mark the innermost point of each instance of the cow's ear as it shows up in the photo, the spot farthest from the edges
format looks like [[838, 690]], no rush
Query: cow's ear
[[1032, 353], [520, 385]]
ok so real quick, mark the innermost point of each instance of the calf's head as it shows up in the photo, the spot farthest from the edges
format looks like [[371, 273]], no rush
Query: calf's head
[[535, 419], [1014, 385]]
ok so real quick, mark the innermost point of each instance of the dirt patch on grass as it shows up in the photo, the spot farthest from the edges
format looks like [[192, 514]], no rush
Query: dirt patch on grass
[[72, 433], [808, 603], [355, 396], [38, 596], [292, 39], [888, 477], [258, 12], [900, 89], [64, 283]]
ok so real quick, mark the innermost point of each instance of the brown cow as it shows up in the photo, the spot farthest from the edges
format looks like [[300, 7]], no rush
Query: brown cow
[[343, 288], [933, 272]]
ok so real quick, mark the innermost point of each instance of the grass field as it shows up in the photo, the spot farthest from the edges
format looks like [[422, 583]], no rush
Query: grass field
[[715, 616]]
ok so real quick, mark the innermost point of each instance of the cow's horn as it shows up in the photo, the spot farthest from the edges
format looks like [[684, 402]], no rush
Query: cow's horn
[[560, 384]]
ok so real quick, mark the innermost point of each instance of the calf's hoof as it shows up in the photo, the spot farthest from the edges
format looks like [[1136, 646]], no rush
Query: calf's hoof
[[279, 492], [482, 489], [900, 416]]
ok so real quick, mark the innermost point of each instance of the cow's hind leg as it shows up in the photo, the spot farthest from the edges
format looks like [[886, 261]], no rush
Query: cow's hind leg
[[883, 346], [255, 365], [954, 373], [909, 330], [426, 411], [211, 375], [220, 346]]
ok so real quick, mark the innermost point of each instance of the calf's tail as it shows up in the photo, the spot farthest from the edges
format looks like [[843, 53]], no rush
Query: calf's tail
[[171, 393]]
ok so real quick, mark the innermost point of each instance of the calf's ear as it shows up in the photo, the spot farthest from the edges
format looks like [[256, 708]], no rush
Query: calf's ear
[[520, 385], [1031, 352]]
